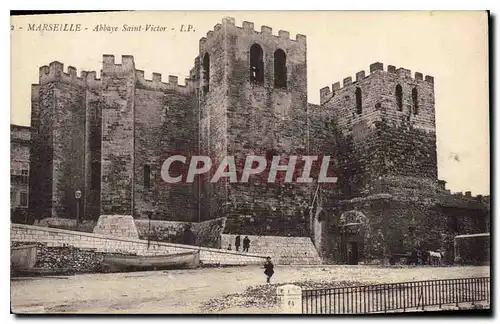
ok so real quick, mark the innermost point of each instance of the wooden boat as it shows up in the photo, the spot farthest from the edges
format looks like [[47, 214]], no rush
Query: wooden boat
[[118, 263], [23, 257]]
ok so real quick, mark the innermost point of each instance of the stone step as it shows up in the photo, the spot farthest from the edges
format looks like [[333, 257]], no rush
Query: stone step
[[282, 249]]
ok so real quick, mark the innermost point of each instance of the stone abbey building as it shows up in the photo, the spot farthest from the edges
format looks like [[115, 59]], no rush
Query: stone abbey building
[[247, 95]]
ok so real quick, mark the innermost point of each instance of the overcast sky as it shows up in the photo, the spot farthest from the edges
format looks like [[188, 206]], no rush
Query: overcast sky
[[451, 46]]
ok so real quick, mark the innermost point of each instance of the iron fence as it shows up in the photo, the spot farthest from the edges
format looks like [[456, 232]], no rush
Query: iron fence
[[404, 296]]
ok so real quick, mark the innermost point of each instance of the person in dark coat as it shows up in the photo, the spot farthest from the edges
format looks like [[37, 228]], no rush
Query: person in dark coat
[[269, 266], [237, 242], [246, 244]]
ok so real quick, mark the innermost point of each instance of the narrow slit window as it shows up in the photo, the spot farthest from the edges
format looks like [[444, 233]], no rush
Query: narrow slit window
[[256, 64], [206, 73], [399, 97], [280, 69], [23, 199], [147, 177], [359, 101], [414, 96]]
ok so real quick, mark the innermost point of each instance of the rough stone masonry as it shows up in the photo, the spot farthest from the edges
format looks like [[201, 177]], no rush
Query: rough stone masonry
[[247, 95]]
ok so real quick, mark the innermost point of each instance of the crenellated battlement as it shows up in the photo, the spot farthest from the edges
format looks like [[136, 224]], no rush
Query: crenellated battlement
[[375, 68], [55, 72], [110, 66], [468, 195], [248, 27], [156, 83]]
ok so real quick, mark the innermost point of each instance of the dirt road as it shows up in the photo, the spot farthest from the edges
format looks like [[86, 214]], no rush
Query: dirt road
[[189, 291]]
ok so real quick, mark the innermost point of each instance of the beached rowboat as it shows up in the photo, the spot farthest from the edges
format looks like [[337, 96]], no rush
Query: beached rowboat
[[118, 263]]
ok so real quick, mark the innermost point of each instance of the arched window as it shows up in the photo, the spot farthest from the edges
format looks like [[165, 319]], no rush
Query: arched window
[[414, 97], [359, 101], [256, 64], [279, 69], [399, 97], [206, 73], [147, 177]]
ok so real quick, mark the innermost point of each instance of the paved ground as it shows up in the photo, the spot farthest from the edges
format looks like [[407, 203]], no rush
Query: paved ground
[[189, 291]]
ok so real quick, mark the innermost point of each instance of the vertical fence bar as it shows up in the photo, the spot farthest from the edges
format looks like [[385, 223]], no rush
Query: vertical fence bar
[[440, 292], [344, 301], [488, 289], [329, 297], [368, 299], [351, 302], [432, 288], [481, 290], [340, 297], [303, 299], [346, 294], [448, 294], [365, 299], [328, 301], [476, 296], [320, 301]]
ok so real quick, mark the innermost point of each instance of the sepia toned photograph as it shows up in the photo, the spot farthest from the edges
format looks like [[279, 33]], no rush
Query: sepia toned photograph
[[250, 162]]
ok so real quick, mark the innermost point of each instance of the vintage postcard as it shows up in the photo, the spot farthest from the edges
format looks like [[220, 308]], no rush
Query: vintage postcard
[[250, 162]]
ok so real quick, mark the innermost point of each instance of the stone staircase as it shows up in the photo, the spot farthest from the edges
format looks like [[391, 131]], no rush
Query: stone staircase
[[282, 249]]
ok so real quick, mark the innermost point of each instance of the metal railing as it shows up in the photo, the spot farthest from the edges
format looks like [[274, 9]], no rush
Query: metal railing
[[404, 296]]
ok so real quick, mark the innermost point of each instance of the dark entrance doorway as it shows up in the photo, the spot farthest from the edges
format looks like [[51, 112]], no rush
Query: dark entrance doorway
[[352, 253]]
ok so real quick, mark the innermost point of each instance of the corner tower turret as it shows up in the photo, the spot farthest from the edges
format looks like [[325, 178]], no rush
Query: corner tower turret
[[388, 119]]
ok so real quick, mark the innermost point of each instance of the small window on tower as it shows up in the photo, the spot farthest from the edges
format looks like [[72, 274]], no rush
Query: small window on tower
[[147, 177], [399, 97], [414, 96], [206, 73], [256, 64], [279, 69], [359, 101]]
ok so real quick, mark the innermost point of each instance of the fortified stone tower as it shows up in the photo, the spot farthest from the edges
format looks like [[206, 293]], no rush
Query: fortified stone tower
[[253, 101], [387, 122], [62, 142]]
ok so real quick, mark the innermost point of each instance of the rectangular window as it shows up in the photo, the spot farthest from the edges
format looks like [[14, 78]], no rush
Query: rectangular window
[[147, 177], [23, 199]]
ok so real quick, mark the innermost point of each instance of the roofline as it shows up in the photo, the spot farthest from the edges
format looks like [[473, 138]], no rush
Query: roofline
[[473, 235], [20, 126]]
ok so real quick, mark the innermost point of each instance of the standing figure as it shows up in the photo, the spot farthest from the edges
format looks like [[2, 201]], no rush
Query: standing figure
[[237, 242], [246, 244], [269, 266], [229, 247]]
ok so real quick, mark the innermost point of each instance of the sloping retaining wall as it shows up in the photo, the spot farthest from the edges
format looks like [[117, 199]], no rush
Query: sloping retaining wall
[[206, 233], [55, 237]]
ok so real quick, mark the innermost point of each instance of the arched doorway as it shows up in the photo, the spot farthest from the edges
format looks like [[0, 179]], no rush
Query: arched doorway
[[352, 225]]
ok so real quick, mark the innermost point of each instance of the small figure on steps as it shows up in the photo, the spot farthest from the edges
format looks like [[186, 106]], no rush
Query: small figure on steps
[[246, 244], [229, 247], [237, 242], [269, 266]]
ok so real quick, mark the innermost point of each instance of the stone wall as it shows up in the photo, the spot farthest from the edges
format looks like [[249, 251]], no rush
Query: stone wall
[[118, 87], [58, 238], [411, 213], [68, 224], [59, 132], [165, 124], [19, 165], [69, 258], [378, 138], [206, 234], [116, 226], [282, 250]]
